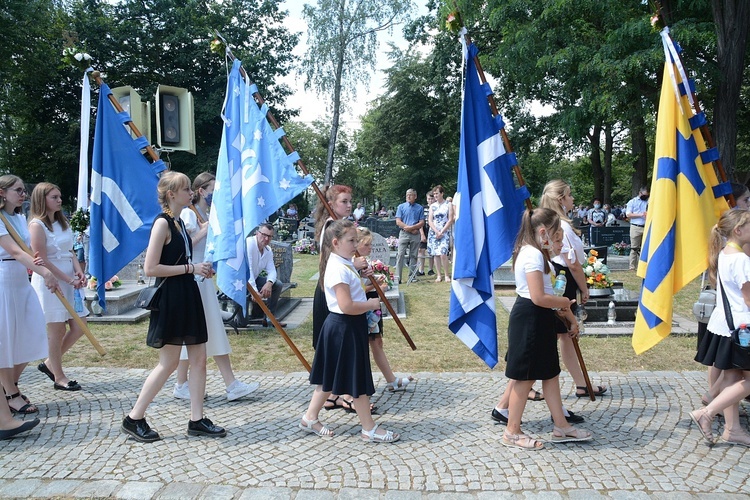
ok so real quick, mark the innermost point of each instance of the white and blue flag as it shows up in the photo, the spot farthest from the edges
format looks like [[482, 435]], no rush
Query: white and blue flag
[[489, 210], [254, 177], [123, 194]]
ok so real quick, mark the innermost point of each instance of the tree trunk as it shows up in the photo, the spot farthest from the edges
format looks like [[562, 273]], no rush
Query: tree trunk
[[639, 147], [731, 19], [608, 149], [335, 118], [596, 160]]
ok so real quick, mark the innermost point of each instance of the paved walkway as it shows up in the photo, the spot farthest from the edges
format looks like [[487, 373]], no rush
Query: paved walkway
[[645, 443]]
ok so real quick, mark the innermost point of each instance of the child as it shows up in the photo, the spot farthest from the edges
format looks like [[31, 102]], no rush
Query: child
[[532, 341], [342, 359], [395, 384], [731, 268]]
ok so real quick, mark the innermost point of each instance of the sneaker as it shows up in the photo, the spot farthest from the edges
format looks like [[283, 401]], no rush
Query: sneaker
[[420, 273], [204, 427], [139, 430], [183, 391], [238, 389]]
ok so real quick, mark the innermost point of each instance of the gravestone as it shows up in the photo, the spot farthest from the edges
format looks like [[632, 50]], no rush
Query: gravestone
[[380, 250], [282, 260]]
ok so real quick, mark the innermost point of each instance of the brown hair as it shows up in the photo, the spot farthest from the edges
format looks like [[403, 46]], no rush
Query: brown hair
[[722, 231], [6, 181], [335, 230], [531, 221], [201, 181], [39, 206]]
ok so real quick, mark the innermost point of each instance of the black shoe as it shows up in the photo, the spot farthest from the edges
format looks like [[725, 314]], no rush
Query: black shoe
[[139, 430], [204, 427], [499, 417], [43, 368], [71, 386], [420, 273], [430, 272], [572, 418], [26, 426]]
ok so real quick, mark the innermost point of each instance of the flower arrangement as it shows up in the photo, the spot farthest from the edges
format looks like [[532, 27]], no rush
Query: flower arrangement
[[76, 58], [112, 283], [392, 242], [620, 248], [453, 21], [305, 245], [80, 220], [380, 269], [281, 228], [218, 46], [596, 271]]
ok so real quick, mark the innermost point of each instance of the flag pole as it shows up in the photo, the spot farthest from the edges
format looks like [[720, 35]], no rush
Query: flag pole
[[84, 327], [259, 300], [259, 99], [705, 131]]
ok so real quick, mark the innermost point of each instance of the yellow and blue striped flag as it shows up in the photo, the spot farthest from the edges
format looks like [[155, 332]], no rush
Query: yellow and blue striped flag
[[686, 201]]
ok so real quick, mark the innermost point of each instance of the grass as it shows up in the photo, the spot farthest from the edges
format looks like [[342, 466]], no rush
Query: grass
[[437, 348]]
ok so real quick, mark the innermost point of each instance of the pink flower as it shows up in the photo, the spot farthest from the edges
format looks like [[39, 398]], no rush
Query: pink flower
[[108, 285]]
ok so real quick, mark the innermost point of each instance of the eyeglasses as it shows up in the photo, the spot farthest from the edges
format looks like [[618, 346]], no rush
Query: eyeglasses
[[21, 191], [265, 235]]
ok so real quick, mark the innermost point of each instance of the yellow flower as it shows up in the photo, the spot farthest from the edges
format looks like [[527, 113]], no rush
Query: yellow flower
[[594, 253], [592, 260]]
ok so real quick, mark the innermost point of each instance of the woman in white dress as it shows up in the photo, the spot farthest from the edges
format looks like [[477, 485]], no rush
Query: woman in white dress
[[195, 218], [440, 221], [22, 329], [52, 241]]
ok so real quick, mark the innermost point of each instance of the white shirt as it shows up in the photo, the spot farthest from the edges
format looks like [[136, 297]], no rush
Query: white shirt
[[359, 212], [341, 270], [734, 271], [636, 206], [572, 246], [258, 262], [528, 260], [18, 221]]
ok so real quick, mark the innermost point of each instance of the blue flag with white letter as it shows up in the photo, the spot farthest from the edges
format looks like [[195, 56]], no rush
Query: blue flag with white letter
[[123, 194], [489, 210], [254, 177]]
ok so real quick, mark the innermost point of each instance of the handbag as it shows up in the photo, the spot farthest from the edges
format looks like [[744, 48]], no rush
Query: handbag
[[740, 354], [148, 298], [706, 303]]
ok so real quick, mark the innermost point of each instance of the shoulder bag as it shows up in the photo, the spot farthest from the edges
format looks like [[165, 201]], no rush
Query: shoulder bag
[[149, 297], [740, 354]]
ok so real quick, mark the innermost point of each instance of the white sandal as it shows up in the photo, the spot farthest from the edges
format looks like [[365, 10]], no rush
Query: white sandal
[[307, 426], [388, 437], [399, 384]]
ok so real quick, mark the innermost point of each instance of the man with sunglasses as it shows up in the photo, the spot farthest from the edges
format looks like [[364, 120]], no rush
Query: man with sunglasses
[[260, 259]]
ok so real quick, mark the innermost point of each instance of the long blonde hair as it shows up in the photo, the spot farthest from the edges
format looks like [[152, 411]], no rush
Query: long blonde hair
[[39, 206], [720, 233], [554, 191]]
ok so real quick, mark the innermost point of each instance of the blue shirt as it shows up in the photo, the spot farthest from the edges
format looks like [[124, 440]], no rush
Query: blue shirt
[[410, 214], [636, 206]]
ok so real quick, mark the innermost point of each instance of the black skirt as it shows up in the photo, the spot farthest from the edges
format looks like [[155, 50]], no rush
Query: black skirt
[[342, 358], [320, 313], [532, 342], [719, 351]]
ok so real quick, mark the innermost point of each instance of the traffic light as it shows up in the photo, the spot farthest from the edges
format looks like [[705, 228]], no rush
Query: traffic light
[[139, 111], [175, 123]]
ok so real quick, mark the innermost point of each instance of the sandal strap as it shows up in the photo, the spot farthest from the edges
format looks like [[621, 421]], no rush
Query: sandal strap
[[16, 395]]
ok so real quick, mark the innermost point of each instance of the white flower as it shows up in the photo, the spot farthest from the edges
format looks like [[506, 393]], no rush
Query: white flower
[[589, 270], [598, 265], [78, 56], [86, 56]]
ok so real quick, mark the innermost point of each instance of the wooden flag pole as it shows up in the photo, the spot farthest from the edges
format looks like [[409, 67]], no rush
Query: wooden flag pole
[[259, 300], [321, 197], [84, 327]]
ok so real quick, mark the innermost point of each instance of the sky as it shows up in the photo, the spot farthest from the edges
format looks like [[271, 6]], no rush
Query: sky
[[311, 105]]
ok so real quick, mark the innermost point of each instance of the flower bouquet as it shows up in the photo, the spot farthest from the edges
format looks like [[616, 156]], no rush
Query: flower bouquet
[[110, 284], [380, 269], [80, 220], [392, 242], [597, 272], [305, 245], [620, 248]]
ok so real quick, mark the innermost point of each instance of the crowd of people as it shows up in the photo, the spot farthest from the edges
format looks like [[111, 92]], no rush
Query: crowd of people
[[186, 326]]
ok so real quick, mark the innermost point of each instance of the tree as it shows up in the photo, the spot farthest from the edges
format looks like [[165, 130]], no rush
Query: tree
[[343, 37]]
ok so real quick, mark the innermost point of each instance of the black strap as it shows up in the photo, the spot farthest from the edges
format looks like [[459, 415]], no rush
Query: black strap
[[727, 309]]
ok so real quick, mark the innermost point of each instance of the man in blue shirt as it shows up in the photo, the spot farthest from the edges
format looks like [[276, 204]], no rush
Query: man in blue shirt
[[636, 213], [410, 218]]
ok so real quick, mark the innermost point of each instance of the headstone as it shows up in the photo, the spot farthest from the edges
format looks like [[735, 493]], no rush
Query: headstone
[[387, 227], [283, 260], [380, 250]]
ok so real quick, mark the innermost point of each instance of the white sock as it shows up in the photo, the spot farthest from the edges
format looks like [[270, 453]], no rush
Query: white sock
[[502, 411]]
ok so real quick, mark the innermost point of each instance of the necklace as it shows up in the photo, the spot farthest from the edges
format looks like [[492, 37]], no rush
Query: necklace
[[734, 245]]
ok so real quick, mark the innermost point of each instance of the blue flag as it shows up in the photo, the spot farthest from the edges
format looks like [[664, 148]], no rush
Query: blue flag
[[123, 194], [489, 211], [254, 177]]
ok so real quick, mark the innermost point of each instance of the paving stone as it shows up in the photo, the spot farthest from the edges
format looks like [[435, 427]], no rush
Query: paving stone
[[96, 489], [267, 493], [58, 488], [20, 488], [135, 490], [180, 491], [219, 492]]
